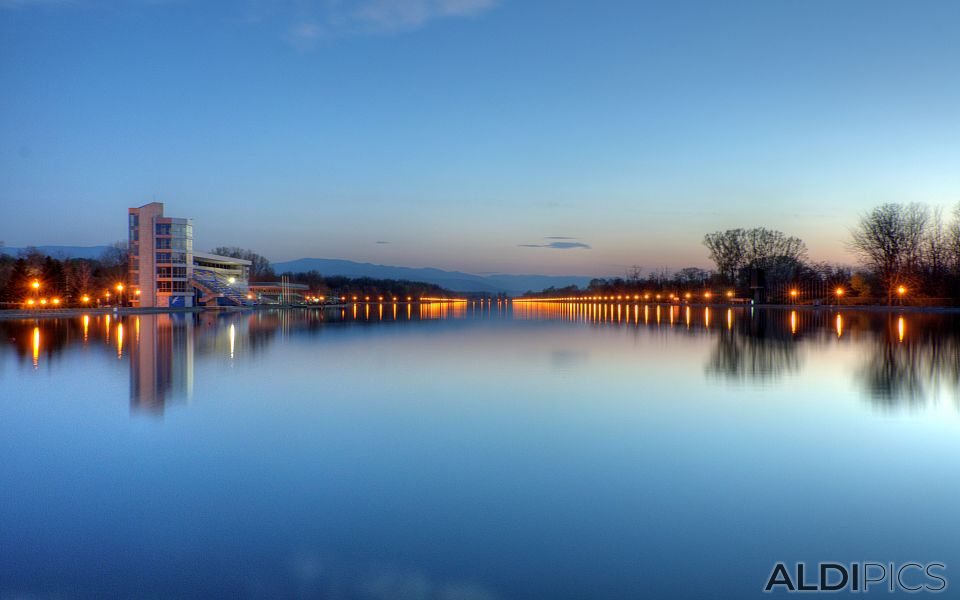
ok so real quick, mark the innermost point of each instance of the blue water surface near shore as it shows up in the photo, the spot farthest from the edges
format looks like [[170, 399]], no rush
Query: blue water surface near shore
[[472, 451]]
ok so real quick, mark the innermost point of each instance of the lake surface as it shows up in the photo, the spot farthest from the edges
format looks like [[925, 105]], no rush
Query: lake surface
[[472, 452]]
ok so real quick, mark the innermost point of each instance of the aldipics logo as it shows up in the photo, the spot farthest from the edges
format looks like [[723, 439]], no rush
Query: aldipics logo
[[858, 577]]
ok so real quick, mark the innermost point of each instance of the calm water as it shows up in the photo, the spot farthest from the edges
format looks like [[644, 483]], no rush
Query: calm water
[[467, 453]]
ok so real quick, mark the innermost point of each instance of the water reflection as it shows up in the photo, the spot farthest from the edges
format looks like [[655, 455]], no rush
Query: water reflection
[[895, 359]]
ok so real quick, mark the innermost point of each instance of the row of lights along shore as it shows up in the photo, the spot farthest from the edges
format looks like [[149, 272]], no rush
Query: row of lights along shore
[[56, 301], [794, 295]]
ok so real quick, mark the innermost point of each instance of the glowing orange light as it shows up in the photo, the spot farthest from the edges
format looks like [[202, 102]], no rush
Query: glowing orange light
[[707, 295], [136, 293], [794, 293], [839, 291], [56, 300], [901, 290], [793, 321], [119, 287], [35, 285], [36, 346], [85, 299], [730, 294], [901, 329], [43, 301], [30, 302]]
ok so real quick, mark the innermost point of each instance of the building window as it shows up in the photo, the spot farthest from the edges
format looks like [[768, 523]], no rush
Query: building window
[[163, 243], [162, 228]]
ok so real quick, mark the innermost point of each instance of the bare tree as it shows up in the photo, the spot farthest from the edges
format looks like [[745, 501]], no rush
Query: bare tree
[[79, 276], [889, 240], [114, 262], [780, 255], [953, 241], [727, 251]]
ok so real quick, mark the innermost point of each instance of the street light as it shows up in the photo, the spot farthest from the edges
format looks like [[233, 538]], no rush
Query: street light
[[794, 294], [35, 285], [85, 299]]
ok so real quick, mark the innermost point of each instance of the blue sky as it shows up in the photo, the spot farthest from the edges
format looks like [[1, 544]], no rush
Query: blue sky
[[480, 135]]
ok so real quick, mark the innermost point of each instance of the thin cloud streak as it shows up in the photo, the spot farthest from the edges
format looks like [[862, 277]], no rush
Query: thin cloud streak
[[328, 20], [558, 245]]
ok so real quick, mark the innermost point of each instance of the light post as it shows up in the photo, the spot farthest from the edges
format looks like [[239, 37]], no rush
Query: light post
[[119, 288], [901, 292], [794, 294], [35, 284], [839, 292]]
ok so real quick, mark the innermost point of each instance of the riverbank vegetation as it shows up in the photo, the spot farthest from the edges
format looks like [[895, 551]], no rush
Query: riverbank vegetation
[[906, 254]]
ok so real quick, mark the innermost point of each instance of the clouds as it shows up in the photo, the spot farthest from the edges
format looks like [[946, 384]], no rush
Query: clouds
[[326, 19], [28, 3], [559, 245], [403, 14], [303, 22]]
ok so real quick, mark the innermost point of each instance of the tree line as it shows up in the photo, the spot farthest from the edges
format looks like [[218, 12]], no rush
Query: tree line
[[903, 251], [363, 287], [63, 281]]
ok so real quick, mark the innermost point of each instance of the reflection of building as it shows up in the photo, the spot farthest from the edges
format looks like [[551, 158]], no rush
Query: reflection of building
[[166, 272], [161, 360]]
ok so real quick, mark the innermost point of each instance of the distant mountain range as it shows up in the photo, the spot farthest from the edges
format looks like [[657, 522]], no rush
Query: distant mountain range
[[452, 280], [62, 252]]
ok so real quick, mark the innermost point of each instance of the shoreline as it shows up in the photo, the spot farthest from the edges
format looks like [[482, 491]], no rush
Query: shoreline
[[20, 314]]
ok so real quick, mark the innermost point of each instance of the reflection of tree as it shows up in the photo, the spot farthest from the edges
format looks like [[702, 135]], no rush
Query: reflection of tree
[[754, 350], [913, 371], [891, 374]]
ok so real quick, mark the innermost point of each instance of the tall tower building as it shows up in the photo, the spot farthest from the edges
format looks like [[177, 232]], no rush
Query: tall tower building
[[161, 258]]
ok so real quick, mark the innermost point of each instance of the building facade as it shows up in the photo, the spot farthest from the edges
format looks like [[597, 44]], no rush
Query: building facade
[[165, 272]]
